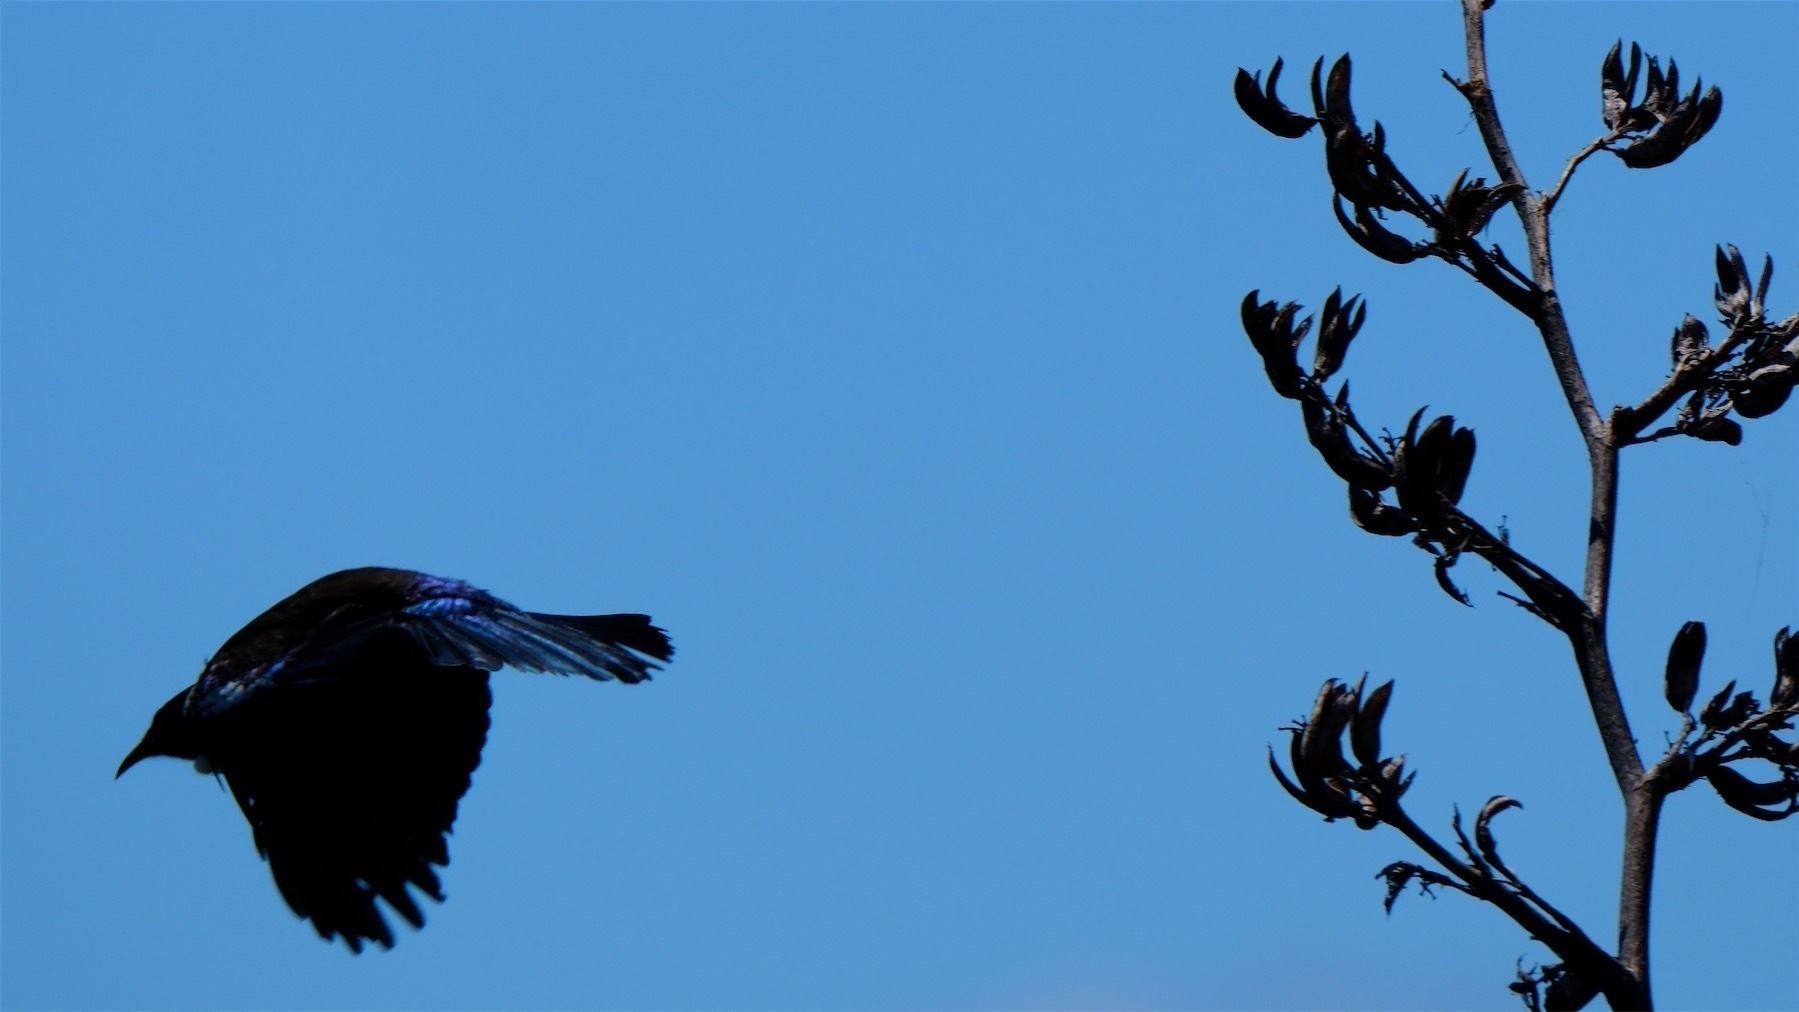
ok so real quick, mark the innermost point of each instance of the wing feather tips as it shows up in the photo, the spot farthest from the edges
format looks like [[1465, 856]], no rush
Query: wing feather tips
[[614, 646], [337, 906], [633, 631], [601, 647]]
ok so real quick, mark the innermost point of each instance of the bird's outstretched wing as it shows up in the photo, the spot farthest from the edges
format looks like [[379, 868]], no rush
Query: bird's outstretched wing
[[488, 633], [306, 636], [350, 780]]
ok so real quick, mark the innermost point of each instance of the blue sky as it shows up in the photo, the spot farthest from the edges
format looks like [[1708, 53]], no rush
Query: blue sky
[[888, 356]]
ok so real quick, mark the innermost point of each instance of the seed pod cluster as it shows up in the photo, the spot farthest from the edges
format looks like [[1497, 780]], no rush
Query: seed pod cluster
[[1271, 330], [1469, 205], [1430, 468], [1324, 780], [1762, 380], [1339, 322], [1276, 337], [1663, 124], [1738, 728], [1756, 375], [1739, 303], [1363, 174]]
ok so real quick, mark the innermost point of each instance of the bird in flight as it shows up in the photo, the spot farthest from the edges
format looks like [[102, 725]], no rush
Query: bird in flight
[[348, 718]]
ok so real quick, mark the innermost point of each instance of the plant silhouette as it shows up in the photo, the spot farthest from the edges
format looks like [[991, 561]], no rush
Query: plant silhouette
[[1411, 485]]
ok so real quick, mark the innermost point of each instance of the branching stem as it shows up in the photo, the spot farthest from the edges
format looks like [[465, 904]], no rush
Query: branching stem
[[1581, 954], [1355, 426], [1628, 422], [1642, 798]]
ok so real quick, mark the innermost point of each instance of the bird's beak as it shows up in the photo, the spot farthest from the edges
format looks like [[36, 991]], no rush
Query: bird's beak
[[138, 754]]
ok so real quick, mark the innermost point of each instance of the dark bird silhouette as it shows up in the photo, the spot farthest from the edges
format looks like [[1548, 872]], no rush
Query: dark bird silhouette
[[348, 718]]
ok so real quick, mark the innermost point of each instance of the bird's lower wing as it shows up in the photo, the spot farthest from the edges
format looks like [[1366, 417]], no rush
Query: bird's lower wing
[[351, 782]]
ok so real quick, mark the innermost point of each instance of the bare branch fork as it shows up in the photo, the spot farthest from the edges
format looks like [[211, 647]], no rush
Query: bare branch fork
[[1410, 486]]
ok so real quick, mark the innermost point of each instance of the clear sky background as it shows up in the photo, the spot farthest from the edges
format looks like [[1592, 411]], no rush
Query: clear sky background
[[888, 356]]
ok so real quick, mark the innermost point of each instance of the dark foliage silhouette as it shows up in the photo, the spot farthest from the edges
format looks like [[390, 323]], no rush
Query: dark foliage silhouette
[[348, 718], [1411, 486]]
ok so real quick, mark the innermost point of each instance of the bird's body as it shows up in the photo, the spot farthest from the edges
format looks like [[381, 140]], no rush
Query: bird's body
[[348, 718]]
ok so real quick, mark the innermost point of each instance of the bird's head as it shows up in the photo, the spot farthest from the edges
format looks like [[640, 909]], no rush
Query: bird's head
[[169, 735]]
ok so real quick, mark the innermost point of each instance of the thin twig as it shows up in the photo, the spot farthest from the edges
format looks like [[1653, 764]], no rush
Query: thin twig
[[1555, 192]]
